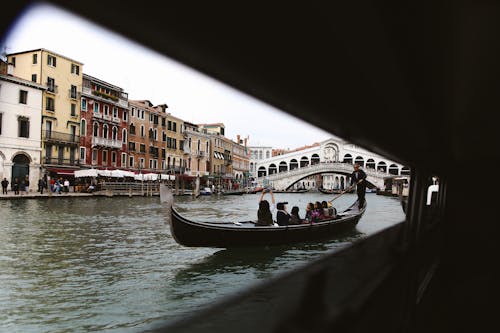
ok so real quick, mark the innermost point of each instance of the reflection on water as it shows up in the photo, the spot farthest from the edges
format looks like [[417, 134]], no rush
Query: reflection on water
[[111, 265]]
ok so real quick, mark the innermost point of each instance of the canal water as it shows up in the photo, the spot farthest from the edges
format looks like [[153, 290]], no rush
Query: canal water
[[111, 265]]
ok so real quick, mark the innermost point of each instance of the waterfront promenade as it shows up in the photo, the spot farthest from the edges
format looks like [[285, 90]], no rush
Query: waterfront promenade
[[47, 195]]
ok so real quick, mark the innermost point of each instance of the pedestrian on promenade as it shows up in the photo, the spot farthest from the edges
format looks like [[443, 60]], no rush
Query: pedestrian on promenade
[[66, 185], [41, 185], [5, 183], [358, 178], [15, 186], [26, 185]]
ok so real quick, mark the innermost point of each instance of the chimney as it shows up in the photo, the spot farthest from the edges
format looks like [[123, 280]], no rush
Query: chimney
[[238, 139]]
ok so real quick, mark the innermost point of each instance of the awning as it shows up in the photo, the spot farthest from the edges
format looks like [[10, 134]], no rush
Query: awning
[[66, 172]]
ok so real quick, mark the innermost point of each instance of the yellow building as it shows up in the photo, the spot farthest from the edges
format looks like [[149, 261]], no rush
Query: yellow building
[[197, 148], [62, 77]]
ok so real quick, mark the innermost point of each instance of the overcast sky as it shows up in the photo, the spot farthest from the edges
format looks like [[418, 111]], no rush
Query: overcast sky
[[145, 74]]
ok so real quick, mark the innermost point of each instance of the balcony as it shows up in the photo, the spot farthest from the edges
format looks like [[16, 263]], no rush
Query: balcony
[[59, 137], [52, 88], [200, 153], [102, 142], [116, 120], [61, 161]]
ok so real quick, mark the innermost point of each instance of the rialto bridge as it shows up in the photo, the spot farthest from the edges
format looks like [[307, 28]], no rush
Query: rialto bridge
[[332, 159]]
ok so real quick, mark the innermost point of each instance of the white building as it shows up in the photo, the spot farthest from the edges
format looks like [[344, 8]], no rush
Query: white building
[[20, 129]]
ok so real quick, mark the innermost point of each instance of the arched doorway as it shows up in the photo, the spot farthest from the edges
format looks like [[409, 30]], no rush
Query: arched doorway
[[20, 167]]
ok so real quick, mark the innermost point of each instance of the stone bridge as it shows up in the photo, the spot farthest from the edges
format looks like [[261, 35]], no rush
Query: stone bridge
[[286, 179]]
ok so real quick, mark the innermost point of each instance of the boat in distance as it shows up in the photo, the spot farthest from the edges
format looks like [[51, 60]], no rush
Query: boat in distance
[[246, 233]]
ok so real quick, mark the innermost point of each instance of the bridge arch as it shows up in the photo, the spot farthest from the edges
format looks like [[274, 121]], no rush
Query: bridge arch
[[261, 172], [405, 171], [393, 169], [370, 163], [294, 164], [283, 167], [382, 166], [272, 169], [315, 159], [304, 161], [347, 158], [360, 160]]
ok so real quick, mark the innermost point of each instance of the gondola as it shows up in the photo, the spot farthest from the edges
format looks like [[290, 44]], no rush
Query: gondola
[[246, 233], [291, 191], [334, 191]]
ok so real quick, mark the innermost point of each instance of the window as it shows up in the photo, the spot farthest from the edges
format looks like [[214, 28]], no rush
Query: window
[[114, 133], [49, 104], [142, 148], [131, 146], [35, 59], [1, 114], [73, 91], [132, 112], [113, 158], [84, 104], [124, 135], [141, 162], [105, 131], [142, 131], [73, 110], [23, 97], [94, 156], [75, 69], [51, 84], [33, 77], [124, 160], [131, 161], [174, 126], [83, 127], [132, 129], [125, 115], [115, 112], [95, 133], [13, 61], [51, 60], [96, 107], [104, 157], [82, 154], [24, 127], [106, 110]]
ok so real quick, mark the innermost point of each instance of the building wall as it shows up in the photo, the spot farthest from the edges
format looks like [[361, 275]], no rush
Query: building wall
[[61, 118], [11, 144]]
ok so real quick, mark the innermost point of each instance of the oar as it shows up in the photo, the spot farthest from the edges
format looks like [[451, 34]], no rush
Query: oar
[[341, 194]]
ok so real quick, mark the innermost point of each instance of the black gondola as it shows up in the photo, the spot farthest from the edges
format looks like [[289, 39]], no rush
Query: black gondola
[[240, 234], [335, 191]]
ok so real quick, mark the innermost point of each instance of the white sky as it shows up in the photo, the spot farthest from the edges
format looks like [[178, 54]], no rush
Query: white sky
[[145, 74]]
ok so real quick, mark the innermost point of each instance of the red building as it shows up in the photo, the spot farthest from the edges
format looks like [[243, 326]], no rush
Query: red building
[[104, 125]]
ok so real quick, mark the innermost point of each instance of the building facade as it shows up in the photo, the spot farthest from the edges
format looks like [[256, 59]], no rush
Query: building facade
[[241, 162], [197, 148], [103, 125], [20, 130], [62, 77]]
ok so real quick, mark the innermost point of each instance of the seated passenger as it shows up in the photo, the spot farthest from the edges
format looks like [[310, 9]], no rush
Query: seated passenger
[[294, 216], [282, 216], [309, 210], [328, 210], [264, 214], [317, 212]]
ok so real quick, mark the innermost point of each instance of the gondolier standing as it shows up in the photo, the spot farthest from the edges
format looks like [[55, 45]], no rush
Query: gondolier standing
[[358, 177]]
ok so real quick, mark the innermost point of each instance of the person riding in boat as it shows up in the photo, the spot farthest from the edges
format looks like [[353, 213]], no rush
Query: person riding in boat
[[265, 212], [328, 210], [294, 216], [282, 216]]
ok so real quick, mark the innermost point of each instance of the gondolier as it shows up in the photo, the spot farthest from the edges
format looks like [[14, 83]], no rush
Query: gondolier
[[358, 178]]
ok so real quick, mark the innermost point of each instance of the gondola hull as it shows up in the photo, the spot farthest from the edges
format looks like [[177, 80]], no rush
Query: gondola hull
[[244, 234]]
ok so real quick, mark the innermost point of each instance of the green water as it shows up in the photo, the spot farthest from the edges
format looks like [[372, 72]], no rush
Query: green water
[[111, 265]]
